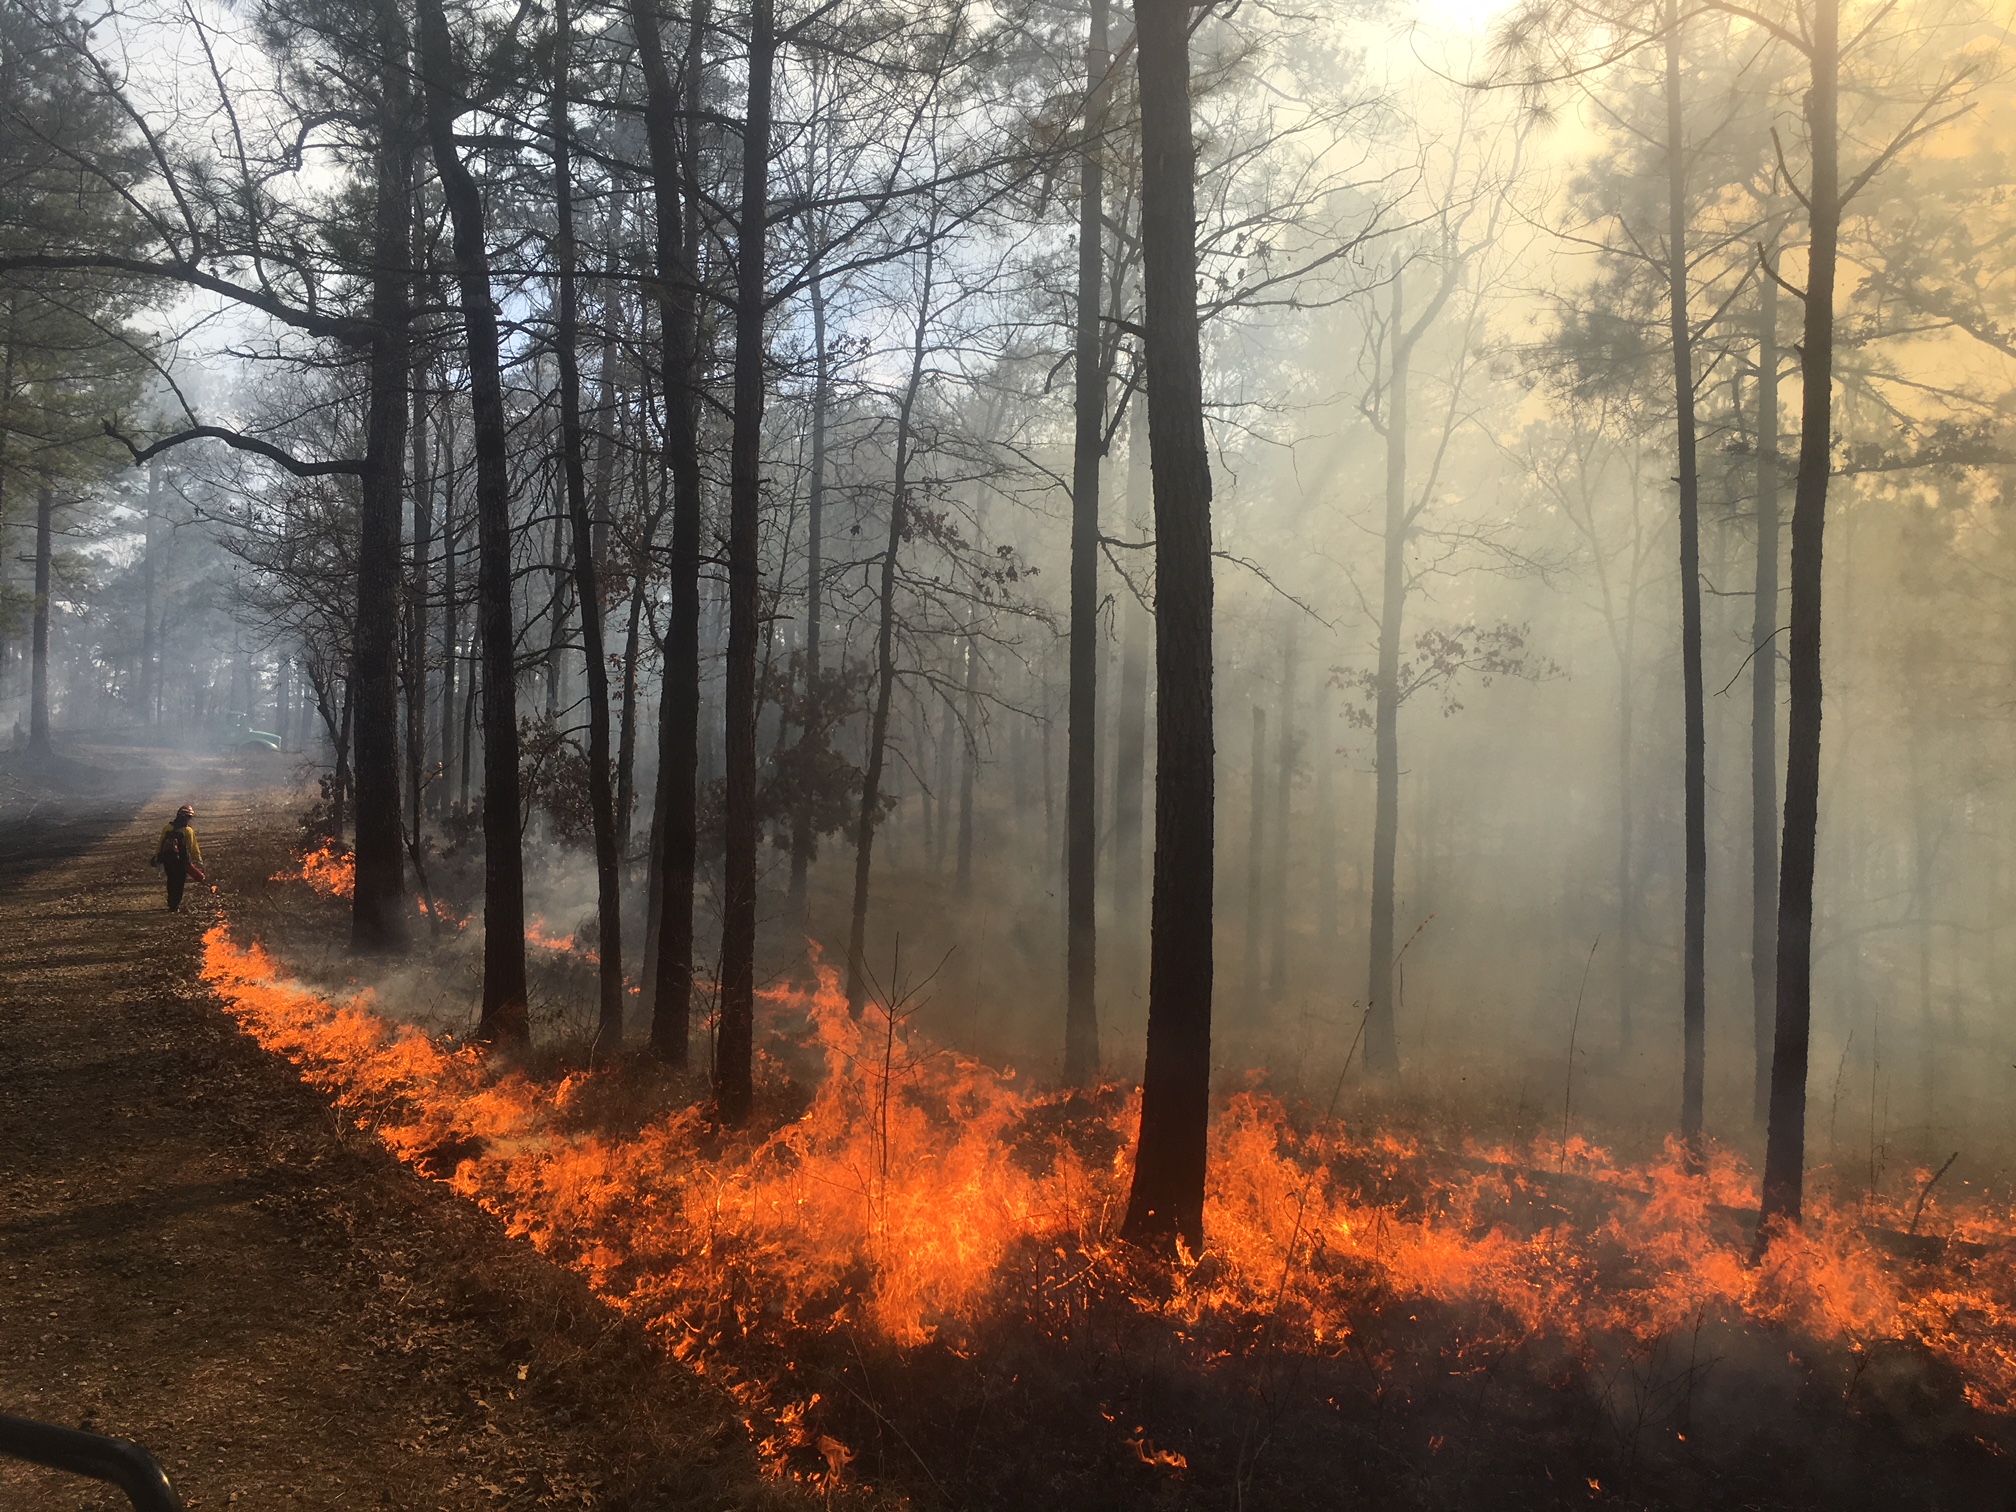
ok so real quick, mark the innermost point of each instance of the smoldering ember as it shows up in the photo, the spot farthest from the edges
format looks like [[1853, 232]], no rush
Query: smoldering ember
[[1001, 754]]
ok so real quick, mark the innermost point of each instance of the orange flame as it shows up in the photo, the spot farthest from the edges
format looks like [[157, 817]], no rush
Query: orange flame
[[330, 871], [919, 1181], [1146, 1452], [540, 938]]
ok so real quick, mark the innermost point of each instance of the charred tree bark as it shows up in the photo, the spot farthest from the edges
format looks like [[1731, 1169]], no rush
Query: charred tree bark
[[675, 175], [734, 1043], [885, 648], [587, 591], [377, 905], [1694, 958], [1081, 759], [1785, 1149], [1130, 737], [503, 1018], [1764, 708], [1166, 1202], [1130, 750]]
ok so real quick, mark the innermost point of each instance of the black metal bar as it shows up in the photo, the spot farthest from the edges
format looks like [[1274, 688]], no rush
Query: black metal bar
[[127, 1466]]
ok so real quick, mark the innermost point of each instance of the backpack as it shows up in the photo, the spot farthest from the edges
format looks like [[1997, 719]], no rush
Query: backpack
[[174, 847]]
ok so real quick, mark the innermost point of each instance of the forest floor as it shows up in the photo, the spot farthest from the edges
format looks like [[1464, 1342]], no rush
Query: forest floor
[[198, 1254], [195, 1255]]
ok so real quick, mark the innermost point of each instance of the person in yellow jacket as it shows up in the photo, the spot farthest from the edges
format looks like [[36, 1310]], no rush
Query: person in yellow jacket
[[178, 855]]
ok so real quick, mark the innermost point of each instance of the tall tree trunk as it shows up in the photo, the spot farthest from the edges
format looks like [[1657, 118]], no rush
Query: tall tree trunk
[[378, 898], [885, 646], [1256, 857], [417, 598], [560, 572], [1130, 741], [1081, 759], [1166, 1201], [1130, 738], [503, 1019], [734, 1045], [451, 634], [471, 719], [587, 591], [604, 505], [38, 642], [1764, 708], [626, 739], [1694, 958], [802, 840], [1785, 1152], [1382, 1043], [675, 175]]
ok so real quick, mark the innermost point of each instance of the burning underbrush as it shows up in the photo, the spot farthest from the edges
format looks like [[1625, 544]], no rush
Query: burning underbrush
[[331, 872], [328, 869], [902, 1213]]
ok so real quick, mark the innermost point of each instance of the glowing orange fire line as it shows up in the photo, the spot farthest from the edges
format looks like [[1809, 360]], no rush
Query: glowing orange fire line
[[330, 871], [333, 873], [908, 1176]]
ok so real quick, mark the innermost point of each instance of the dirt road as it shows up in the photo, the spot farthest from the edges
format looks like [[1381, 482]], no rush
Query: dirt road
[[194, 1254]]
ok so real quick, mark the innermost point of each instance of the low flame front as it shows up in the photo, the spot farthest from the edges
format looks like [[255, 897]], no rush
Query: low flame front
[[332, 871], [919, 1183], [328, 869]]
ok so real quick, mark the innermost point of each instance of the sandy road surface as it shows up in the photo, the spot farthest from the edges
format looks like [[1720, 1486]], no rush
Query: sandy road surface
[[196, 1255]]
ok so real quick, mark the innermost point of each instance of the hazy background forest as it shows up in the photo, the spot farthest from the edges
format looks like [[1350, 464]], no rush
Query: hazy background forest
[[1440, 391]]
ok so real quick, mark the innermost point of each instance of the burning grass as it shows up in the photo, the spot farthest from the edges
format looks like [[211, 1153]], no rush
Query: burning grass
[[919, 1208], [328, 869], [331, 871]]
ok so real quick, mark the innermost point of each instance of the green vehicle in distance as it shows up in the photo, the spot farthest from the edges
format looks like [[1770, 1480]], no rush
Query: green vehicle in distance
[[240, 736]]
